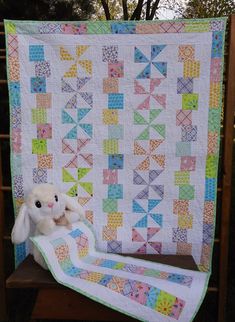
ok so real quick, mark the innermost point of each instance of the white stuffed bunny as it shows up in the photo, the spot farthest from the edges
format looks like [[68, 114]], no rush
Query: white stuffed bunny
[[46, 207]]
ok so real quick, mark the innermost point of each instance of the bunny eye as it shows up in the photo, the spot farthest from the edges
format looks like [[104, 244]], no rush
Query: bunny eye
[[38, 204], [56, 198]]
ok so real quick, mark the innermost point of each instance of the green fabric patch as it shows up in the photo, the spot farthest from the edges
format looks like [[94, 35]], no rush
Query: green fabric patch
[[164, 303], [214, 120], [160, 128], [186, 192], [73, 191], [98, 27], [39, 146], [10, 27], [183, 149], [139, 119], [39, 116], [190, 101], [182, 177], [110, 205], [119, 266], [110, 146], [67, 177], [197, 26], [87, 186], [211, 166], [82, 172]]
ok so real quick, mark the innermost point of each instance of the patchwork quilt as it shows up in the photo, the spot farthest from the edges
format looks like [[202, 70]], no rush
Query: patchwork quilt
[[125, 117]]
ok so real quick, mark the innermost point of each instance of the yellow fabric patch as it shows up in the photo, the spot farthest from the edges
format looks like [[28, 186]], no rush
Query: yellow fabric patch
[[94, 277], [110, 117], [185, 221], [192, 69], [214, 95], [115, 219]]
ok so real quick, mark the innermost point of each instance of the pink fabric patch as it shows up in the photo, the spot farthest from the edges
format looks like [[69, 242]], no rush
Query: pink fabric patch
[[16, 140], [188, 163], [215, 74], [110, 176], [116, 69], [177, 308], [183, 117], [44, 131]]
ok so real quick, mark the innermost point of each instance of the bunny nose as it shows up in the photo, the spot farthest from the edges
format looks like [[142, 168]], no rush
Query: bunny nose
[[50, 204]]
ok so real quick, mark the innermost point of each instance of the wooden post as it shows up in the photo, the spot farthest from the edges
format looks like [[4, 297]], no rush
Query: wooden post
[[227, 170], [3, 314]]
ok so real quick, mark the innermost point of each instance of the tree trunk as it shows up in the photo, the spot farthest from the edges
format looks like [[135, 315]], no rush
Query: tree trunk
[[106, 9]]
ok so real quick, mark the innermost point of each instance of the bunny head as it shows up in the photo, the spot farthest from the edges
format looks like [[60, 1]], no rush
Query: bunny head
[[44, 201]]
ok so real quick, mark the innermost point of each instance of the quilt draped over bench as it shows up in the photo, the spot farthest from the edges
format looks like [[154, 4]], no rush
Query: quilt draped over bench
[[125, 117]]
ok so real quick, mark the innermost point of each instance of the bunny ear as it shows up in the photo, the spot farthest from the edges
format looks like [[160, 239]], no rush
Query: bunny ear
[[72, 205], [21, 228]]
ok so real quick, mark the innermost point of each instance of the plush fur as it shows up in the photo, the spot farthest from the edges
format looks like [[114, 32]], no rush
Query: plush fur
[[46, 207]]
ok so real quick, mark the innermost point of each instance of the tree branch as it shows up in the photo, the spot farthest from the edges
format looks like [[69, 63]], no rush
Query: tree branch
[[137, 12], [125, 10], [106, 9], [148, 10], [154, 9]]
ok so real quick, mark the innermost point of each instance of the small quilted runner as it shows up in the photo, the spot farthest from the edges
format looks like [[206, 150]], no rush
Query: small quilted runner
[[142, 289]]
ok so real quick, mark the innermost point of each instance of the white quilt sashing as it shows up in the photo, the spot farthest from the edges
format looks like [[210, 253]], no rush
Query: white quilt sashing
[[125, 117]]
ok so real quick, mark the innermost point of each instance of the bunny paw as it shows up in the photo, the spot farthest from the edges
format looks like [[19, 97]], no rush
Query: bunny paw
[[46, 226]]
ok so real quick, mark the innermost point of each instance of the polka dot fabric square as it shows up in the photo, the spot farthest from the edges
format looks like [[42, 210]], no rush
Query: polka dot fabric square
[[36, 53]]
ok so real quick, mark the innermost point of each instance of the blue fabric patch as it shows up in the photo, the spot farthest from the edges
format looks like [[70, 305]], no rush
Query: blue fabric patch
[[123, 28], [176, 278], [105, 280], [210, 189], [146, 72], [115, 191], [67, 119], [155, 50], [157, 218], [38, 85], [82, 112], [115, 132], [152, 296], [36, 53], [20, 251], [152, 203], [116, 161], [108, 263], [14, 91], [137, 208], [87, 128], [140, 57], [143, 223], [76, 233], [217, 44], [72, 134], [161, 67], [57, 242], [115, 101], [73, 271]]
